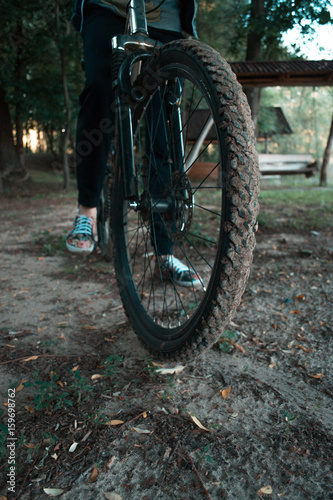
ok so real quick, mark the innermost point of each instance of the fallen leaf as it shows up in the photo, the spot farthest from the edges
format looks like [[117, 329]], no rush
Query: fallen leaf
[[93, 475], [62, 337], [55, 456], [30, 409], [53, 492], [75, 368], [239, 347], [30, 446], [86, 436], [111, 462], [114, 422], [90, 327], [112, 496], [305, 349], [170, 371], [265, 490], [2, 497], [96, 376], [272, 365], [73, 447], [199, 424], [318, 375], [300, 297], [37, 480], [20, 386], [32, 358], [225, 392], [296, 311], [141, 431], [58, 382]]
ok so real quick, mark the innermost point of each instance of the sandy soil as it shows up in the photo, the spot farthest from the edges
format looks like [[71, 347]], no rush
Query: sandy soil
[[61, 319]]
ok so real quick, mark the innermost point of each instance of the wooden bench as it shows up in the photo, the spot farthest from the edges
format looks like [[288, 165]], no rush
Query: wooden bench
[[287, 164]]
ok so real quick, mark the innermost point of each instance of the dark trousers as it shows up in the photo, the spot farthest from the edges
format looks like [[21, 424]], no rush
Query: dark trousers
[[96, 117]]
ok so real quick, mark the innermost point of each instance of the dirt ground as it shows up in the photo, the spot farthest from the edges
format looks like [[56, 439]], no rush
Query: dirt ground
[[93, 418]]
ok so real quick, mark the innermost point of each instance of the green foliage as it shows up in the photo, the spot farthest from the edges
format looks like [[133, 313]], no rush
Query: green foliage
[[226, 24], [289, 417], [81, 387], [225, 341], [51, 244], [150, 367], [52, 393], [30, 69], [316, 203], [204, 455], [110, 362], [303, 108]]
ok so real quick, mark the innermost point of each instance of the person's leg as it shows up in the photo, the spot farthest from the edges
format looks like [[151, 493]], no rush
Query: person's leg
[[96, 118], [95, 123]]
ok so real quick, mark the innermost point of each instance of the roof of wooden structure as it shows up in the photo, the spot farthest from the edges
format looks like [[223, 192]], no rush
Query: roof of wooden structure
[[278, 122], [284, 73]]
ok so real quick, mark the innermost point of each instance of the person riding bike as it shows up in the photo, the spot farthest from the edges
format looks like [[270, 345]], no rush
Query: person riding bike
[[99, 21]]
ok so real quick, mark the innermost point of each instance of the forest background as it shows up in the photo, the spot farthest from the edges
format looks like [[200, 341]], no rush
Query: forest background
[[41, 76]]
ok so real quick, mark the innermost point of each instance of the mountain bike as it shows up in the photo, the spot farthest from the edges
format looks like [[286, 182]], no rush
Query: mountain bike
[[178, 107]]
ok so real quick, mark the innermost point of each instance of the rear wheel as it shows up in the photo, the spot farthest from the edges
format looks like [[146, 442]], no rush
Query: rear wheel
[[192, 115]]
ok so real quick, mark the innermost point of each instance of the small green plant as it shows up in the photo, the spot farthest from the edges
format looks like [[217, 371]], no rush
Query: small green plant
[[96, 416], [227, 340], [109, 364], [81, 387], [151, 368], [51, 244], [47, 436], [204, 454], [288, 418], [47, 390]]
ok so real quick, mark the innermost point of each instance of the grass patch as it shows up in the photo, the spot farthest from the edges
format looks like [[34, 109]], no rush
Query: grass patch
[[296, 208]]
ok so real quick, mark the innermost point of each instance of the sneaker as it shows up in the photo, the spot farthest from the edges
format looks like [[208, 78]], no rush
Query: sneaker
[[171, 268], [81, 238]]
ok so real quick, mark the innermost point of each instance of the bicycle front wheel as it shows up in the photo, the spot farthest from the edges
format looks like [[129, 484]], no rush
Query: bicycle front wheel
[[197, 178]]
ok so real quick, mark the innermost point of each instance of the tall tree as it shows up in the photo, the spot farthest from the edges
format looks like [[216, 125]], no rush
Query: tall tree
[[265, 22], [326, 157], [7, 148]]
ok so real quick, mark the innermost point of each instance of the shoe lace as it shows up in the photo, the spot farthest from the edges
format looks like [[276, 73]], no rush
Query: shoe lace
[[177, 265], [83, 225]]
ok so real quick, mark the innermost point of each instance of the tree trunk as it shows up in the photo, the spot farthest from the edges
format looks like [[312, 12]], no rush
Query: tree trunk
[[7, 148], [66, 101], [20, 78], [253, 95], [253, 53], [19, 138], [326, 157]]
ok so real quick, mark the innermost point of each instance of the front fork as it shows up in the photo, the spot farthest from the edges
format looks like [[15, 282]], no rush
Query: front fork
[[122, 66]]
